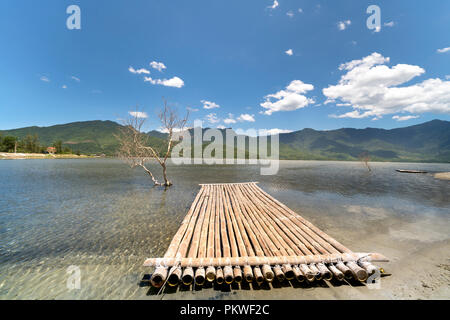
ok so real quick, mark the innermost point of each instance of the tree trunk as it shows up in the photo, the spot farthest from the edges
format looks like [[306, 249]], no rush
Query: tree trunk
[[167, 183]]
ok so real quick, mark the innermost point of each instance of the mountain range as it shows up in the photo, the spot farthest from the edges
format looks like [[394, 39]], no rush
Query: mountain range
[[426, 142]]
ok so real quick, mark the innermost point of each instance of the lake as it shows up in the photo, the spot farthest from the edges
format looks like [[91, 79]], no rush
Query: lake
[[104, 218]]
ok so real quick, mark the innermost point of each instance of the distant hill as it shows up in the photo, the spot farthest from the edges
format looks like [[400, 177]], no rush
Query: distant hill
[[429, 141], [86, 136]]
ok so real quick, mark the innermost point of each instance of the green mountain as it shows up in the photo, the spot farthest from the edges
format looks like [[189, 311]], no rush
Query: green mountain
[[429, 141], [86, 136]]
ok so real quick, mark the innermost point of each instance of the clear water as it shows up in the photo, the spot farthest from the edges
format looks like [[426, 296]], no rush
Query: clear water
[[106, 218]]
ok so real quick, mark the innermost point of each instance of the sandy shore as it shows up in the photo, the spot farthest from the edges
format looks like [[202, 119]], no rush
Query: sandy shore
[[18, 156], [442, 175]]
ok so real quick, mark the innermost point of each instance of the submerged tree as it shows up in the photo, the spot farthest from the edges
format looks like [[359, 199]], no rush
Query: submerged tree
[[135, 146], [365, 158]]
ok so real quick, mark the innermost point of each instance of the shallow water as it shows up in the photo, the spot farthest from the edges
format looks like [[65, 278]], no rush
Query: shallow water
[[105, 218]]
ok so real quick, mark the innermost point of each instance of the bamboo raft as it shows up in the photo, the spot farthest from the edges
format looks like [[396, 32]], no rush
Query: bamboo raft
[[237, 231]]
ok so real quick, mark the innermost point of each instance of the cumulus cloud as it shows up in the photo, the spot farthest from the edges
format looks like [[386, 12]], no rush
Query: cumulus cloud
[[75, 78], [139, 71], [272, 132], [289, 99], [230, 119], [443, 50], [212, 118], [45, 79], [300, 10], [172, 82], [64, 86], [157, 65], [246, 117], [404, 118], [138, 114], [274, 5], [374, 89], [289, 52], [209, 104], [342, 25]]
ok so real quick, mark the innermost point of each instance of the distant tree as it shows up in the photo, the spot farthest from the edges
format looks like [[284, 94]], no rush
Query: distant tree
[[58, 146], [30, 144], [7, 143], [365, 158], [135, 147]]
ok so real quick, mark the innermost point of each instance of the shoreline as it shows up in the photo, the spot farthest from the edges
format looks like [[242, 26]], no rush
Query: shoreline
[[22, 156]]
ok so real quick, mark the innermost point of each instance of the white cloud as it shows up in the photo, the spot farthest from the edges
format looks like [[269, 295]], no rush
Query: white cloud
[[192, 109], [139, 71], [300, 10], [138, 114], [447, 77], [289, 99], [209, 104], [45, 79], [172, 82], [274, 5], [374, 89], [389, 24], [212, 118], [220, 127], [443, 50], [404, 118], [75, 78], [342, 25], [157, 65], [290, 13], [64, 86], [246, 117], [289, 52], [230, 119], [271, 132]]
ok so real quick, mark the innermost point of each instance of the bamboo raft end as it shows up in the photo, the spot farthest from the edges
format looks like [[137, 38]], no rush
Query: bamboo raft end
[[235, 232]]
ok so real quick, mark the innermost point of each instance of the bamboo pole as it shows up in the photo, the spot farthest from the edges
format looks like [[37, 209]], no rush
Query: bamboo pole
[[232, 234], [317, 239], [160, 273], [287, 238], [247, 229], [248, 248], [188, 274], [227, 270], [200, 275], [210, 270], [268, 247], [322, 234], [269, 260]]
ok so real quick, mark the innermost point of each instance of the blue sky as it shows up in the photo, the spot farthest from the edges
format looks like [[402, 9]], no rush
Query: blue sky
[[230, 53]]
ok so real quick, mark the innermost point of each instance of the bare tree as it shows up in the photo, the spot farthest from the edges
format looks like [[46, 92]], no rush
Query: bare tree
[[365, 158], [135, 147]]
